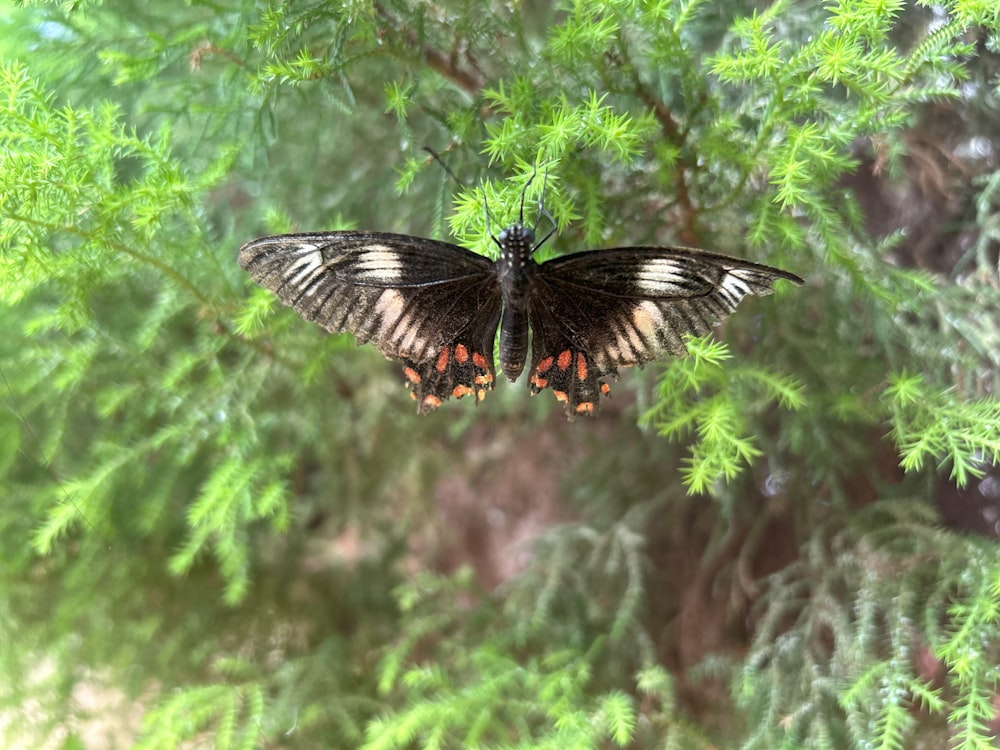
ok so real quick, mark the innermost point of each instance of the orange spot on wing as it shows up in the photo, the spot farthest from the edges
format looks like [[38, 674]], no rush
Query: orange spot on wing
[[480, 361], [413, 395], [544, 365], [605, 389], [432, 401], [484, 379], [581, 366], [443, 357], [480, 394], [461, 390], [560, 396], [461, 354], [565, 359], [539, 382], [585, 407], [412, 375]]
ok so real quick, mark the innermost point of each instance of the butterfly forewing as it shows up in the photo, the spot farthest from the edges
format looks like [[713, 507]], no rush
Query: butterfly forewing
[[594, 312], [432, 305]]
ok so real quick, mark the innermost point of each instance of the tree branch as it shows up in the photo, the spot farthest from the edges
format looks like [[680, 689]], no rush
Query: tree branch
[[445, 65]]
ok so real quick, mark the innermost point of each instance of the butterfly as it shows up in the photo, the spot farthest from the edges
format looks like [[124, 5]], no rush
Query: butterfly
[[436, 306]]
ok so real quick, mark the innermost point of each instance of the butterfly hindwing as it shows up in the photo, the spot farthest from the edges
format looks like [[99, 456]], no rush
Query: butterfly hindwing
[[559, 361], [433, 305], [460, 369], [594, 312]]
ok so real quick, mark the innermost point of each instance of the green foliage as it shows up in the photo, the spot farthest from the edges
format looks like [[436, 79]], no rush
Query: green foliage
[[930, 424], [522, 689], [721, 420], [234, 525], [907, 578], [63, 193], [486, 694], [216, 708]]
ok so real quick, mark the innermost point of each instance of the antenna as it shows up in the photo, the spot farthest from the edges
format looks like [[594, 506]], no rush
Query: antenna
[[444, 166], [541, 209], [486, 206]]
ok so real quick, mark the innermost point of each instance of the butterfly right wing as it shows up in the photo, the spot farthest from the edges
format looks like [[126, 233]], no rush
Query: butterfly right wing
[[433, 305], [596, 311]]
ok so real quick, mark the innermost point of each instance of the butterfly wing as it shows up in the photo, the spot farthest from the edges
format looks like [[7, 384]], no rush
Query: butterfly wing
[[433, 305], [594, 312]]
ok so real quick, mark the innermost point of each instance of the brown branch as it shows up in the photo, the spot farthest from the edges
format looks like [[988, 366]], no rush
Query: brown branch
[[689, 233], [446, 67], [444, 64]]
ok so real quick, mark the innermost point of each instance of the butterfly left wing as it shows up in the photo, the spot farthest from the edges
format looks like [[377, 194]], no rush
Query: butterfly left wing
[[594, 312], [433, 305]]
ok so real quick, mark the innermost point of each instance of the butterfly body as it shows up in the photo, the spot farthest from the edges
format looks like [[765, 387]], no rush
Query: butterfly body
[[436, 306], [515, 270]]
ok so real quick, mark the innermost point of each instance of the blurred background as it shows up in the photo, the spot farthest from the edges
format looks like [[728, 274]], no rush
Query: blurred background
[[223, 527]]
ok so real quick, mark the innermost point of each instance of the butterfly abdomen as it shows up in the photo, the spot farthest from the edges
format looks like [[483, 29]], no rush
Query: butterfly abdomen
[[513, 341]]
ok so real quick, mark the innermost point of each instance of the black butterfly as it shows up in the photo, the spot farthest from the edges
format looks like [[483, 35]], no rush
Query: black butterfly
[[436, 306]]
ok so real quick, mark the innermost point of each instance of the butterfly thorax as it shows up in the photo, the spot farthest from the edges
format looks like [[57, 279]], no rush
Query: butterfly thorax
[[515, 270]]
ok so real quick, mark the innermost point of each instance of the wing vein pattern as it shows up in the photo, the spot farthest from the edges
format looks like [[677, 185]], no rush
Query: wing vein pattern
[[594, 312], [433, 305]]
